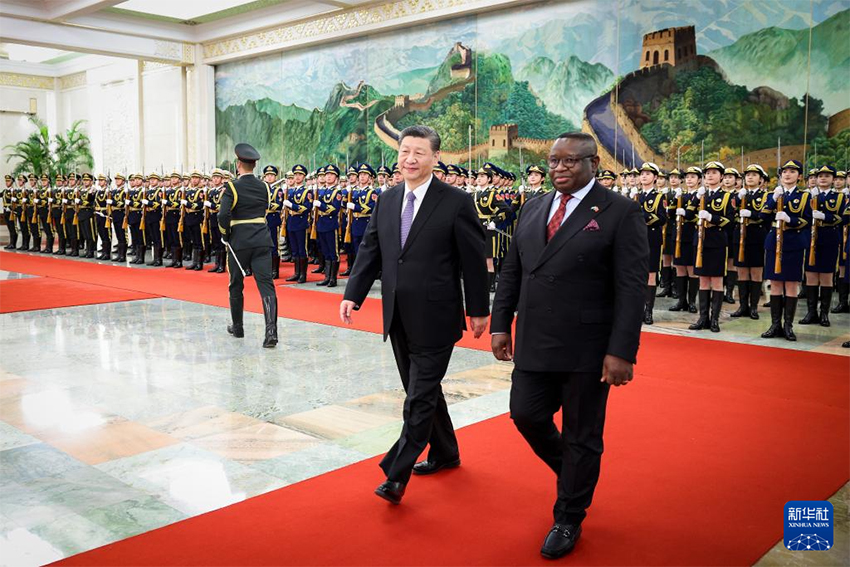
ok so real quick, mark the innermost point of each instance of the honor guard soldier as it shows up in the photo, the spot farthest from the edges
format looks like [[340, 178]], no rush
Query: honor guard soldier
[[32, 216], [10, 211], [171, 209], [351, 174], [713, 210], [43, 200], [273, 217], [452, 173], [383, 177], [327, 205], [396, 173], [103, 221], [536, 175], [313, 250], [606, 178], [674, 180], [85, 216], [731, 184], [683, 256], [193, 216], [213, 206], [825, 245], [242, 222], [57, 216], [286, 250], [789, 210], [21, 198], [299, 205], [152, 200], [133, 210], [118, 204], [748, 240], [490, 210], [363, 200], [440, 171], [654, 207], [70, 209], [841, 185]]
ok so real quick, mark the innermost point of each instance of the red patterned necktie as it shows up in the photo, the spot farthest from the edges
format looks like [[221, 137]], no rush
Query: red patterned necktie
[[555, 223]]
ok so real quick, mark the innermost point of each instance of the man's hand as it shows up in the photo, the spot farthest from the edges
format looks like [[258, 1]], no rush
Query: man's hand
[[502, 347], [616, 371], [346, 307], [479, 325]]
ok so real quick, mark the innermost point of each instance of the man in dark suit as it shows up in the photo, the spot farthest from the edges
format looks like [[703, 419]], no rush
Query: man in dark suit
[[575, 276], [423, 234], [242, 221]]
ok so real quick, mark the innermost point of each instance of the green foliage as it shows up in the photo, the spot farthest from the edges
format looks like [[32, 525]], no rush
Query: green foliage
[[38, 154], [830, 151], [706, 108], [73, 150], [531, 115]]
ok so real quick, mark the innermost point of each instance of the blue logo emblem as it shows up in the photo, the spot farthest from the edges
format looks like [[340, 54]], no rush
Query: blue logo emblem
[[809, 525]]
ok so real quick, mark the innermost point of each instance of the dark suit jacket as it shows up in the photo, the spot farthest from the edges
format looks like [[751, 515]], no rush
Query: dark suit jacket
[[421, 283], [581, 296], [245, 199]]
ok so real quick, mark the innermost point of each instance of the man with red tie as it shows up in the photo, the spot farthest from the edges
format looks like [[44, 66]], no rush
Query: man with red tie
[[575, 276]]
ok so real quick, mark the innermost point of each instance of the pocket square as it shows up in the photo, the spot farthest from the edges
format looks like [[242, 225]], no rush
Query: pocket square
[[592, 226]]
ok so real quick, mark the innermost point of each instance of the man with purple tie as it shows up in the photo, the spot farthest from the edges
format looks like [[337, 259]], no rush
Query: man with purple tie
[[575, 276], [422, 236]]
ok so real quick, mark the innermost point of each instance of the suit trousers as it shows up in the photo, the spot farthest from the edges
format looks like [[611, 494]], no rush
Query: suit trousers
[[574, 455], [257, 261], [426, 416]]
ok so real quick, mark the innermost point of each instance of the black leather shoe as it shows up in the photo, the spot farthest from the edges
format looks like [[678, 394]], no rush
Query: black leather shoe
[[431, 467], [391, 491], [238, 332], [560, 540]]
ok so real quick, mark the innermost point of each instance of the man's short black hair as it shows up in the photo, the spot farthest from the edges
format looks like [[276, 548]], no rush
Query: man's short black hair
[[248, 164], [583, 137], [422, 131]]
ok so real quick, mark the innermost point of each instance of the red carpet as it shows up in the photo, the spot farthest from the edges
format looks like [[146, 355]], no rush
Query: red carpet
[[30, 294], [702, 452], [694, 474]]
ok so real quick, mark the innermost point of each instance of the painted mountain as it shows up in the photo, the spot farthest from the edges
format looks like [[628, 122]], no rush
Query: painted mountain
[[777, 58]]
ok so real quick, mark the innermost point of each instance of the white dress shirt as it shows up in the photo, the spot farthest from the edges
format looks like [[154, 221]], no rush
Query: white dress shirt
[[572, 204], [419, 192]]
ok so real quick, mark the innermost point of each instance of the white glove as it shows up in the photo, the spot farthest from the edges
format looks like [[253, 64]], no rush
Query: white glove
[[165, 201], [778, 192], [705, 215], [317, 204], [184, 202], [287, 203], [817, 215], [50, 199], [207, 204], [814, 191], [64, 201], [349, 206], [846, 190], [109, 201], [700, 191], [633, 193], [678, 193], [35, 201], [745, 213], [14, 199], [145, 201], [742, 193], [783, 216], [23, 200], [680, 212], [76, 201], [491, 225]]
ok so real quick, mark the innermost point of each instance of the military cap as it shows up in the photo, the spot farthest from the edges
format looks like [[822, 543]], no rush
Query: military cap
[[136, 176], [321, 170], [121, 176], [485, 171], [289, 174], [45, 176], [72, 176], [675, 171], [153, 175], [101, 177], [624, 172], [298, 168], [366, 168], [395, 168], [60, 177], [8, 177], [332, 169], [634, 171], [270, 169], [352, 170], [651, 167], [694, 169], [714, 165], [792, 164], [217, 171], [88, 177], [384, 170], [440, 166], [453, 169], [195, 173], [662, 173], [31, 176], [827, 169], [535, 169], [228, 175], [756, 168], [812, 172], [841, 173], [176, 174], [731, 171], [606, 174], [246, 152]]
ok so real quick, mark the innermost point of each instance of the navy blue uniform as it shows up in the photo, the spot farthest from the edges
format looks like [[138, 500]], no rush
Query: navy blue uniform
[[829, 234], [298, 220], [327, 223], [715, 235], [364, 200], [654, 209], [795, 238]]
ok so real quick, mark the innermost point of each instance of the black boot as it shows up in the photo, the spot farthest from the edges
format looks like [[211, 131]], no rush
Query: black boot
[[775, 329], [157, 255], [693, 289], [825, 302], [704, 300], [681, 294], [347, 271], [327, 272], [843, 291], [122, 253], [235, 328], [716, 304], [176, 258], [275, 267], [168, 253], [334, 273], [138, 254], [755, 297], [665, 289], [803, 287], [214, 269], [811, 306], [270, 314], [731, 280], [744, 299], [48, 247], [207, 256], [197, 257], [221, 261], [297, 265], [648, 305], [302, 275], [790, 310], [321, 269], [90, 246]]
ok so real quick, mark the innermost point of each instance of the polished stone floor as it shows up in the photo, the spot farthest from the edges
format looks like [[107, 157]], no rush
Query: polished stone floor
[[119, 418]]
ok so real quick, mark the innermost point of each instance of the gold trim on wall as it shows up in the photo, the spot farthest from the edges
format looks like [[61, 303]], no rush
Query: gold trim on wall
[[27, 81], [72, 81], [336, 22]]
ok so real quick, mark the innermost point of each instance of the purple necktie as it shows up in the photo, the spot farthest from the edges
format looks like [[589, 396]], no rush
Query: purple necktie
[[407, 217]]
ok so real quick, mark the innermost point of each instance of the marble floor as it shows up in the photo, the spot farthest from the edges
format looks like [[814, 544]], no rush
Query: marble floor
[[119, 418]]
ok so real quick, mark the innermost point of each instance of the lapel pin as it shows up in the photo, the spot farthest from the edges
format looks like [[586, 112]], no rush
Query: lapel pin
[[594, 208]]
